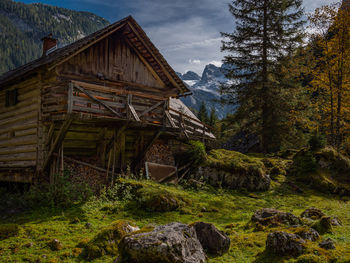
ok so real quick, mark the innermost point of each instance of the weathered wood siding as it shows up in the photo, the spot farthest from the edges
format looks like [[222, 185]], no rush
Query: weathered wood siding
[[19, 125], [114, 59]]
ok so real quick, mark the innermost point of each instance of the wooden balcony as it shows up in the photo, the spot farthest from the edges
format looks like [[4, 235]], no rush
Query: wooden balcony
[[88, 101]]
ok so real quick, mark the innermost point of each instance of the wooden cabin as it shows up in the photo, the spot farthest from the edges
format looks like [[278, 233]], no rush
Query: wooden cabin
[[109, 97]]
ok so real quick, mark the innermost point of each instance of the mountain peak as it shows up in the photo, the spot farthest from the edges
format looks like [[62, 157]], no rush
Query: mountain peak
[[190, 75]]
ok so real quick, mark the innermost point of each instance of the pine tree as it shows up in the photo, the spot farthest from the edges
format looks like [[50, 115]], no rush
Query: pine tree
[[213, 118], [203, 113], [266, 31]]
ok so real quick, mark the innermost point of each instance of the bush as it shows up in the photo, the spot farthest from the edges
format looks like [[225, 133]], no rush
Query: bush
[[62, 193], [317, 142], [8, 230], [195, 154]]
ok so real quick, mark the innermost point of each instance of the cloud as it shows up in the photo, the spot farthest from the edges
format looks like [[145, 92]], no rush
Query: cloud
[[194, 61]]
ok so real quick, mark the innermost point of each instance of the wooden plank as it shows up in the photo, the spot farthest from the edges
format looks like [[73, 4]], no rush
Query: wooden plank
[[97, 100], [133, 112], [24, 140], [70, 98], [18, 149], [17, 164], [170, 119], [26, 156], [108, 89]]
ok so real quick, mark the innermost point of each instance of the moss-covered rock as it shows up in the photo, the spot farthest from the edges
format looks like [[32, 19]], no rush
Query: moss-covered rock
[[106, 242], [324, 225], [234, 170], [157, 200], [8, 230], [324, 170]]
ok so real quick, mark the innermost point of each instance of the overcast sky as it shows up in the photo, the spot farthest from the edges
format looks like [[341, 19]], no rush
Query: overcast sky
[[187, 32]]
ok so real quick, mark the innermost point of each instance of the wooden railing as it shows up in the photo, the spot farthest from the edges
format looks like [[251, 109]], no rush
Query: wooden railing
[[102, 102]]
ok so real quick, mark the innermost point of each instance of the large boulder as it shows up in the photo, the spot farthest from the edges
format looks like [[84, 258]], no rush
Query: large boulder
[[213, 240], [174, 242], [274, 217], [285, 244]]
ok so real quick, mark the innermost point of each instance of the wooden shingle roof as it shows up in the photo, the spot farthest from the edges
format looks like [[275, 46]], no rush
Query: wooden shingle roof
[[130, 29]]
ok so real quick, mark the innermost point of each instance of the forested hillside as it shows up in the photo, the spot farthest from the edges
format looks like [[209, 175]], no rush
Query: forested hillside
[[23, 25]]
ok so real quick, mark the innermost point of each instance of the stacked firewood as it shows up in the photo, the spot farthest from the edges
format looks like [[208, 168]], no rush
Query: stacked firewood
[[160, 153], [82, 174]]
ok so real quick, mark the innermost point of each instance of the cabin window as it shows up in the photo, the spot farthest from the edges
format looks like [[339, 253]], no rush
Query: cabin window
[[11, 97]]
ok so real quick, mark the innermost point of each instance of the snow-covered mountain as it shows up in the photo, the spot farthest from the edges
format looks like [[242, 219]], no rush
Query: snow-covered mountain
[[206, 89]]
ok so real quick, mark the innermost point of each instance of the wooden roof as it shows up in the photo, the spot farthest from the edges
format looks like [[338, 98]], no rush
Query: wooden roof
[[135, 36]]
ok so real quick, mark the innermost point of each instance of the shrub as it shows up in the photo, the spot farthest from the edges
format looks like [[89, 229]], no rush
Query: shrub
[[195, 154], [62, 193], [317, 142]]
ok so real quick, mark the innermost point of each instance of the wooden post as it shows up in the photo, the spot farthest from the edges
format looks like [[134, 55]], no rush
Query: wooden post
[[58, 141], [70, 98], [62, 161], [114, 149], [109, 164]]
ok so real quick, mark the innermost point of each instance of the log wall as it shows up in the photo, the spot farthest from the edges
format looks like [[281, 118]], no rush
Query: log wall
[[19, 125]]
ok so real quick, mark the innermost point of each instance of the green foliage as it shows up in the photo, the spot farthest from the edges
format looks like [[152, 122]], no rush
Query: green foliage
[[23, 25], [304, 163], [194, 154], [203, 113], [317, 142], [62, 193]]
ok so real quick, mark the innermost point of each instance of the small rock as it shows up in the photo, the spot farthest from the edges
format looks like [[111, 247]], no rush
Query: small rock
[[327, 244], [324, 225], [204, 210], [88, 225], [274, 217], [213, 240], [335, 221], [174, 242], [312, 213], [308, 233], [285, 244], [55, 244]]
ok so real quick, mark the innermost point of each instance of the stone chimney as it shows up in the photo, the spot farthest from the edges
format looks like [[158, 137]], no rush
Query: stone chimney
[[49, 44]]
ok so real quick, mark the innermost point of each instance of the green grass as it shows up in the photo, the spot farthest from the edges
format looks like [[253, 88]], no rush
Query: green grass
[[230, 211]]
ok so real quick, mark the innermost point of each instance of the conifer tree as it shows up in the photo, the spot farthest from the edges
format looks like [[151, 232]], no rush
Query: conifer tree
[[203, 113], [266, 31]]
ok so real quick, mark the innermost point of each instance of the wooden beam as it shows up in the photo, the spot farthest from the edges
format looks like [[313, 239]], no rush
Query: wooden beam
[[151, 108], [142, 154], [133, 112], [170, 119], [120, 91], [58, 141], [97, 100]]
